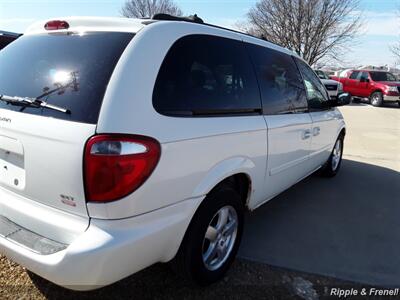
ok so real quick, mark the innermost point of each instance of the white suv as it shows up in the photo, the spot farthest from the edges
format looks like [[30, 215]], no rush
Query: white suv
[[124, 143], [333, 87]]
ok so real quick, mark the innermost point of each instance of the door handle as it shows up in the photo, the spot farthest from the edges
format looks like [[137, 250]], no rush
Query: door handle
[[316, 131], [306, 134]]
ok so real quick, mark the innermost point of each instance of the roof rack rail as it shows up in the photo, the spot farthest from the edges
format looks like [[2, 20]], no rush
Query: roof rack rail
[[194, 18], [263, 38]]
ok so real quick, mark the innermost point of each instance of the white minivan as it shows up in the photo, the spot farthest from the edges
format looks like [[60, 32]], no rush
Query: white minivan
[[127, 142]]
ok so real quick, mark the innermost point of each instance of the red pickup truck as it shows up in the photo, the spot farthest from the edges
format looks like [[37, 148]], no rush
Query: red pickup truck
[[377, 86]]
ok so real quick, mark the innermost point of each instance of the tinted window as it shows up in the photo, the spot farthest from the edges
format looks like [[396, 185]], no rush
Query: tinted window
[[321, 74], [282, 89], [354, 75], [73, 69], [363, 76], [6, 39], [382, 76], [316, 93], [205, 75]]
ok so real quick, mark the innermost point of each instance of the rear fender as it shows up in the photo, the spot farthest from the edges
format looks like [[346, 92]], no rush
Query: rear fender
[[223, 170]]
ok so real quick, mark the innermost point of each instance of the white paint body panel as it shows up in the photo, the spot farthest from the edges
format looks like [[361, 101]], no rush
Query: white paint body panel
[[326, 126], [49, 151], [147, 226], [82, 24], [110, 250], [289, 141]]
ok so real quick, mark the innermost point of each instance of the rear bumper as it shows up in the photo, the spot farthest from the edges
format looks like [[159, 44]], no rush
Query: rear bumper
[[391, 98], [110, 250]]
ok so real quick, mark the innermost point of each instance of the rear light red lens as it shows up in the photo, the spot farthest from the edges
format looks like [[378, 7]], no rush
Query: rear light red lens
[[117, 165], [56, 24]]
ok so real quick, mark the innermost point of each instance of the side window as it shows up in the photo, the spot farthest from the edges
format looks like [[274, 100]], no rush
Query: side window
[[282, 90], [363, 76], [206, 75], [316, 93], [354, 75]]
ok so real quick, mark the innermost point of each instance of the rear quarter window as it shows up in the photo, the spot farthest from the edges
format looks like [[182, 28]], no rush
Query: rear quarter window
[[74, 68], [206, 75]]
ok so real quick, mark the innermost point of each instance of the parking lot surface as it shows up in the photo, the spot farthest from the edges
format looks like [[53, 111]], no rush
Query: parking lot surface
[[347, 227], [373, 134]]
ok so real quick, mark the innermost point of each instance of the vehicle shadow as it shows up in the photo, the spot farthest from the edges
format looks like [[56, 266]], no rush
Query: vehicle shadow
[[245, 280], [366, 103], [347, 227], [391, 105], [358, 104]]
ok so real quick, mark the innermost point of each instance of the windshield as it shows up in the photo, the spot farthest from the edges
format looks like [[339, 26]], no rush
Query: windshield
[[65, 70], [382, 76], [321, 74]]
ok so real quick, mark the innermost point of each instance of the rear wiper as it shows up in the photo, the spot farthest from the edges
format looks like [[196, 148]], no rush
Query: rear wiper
[[32, 102]]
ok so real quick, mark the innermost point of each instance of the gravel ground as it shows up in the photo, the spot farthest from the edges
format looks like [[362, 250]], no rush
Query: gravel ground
[[245, 280]]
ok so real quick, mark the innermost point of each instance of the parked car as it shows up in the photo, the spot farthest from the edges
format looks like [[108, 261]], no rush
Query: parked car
[[333, 87], [375, 86], [127, 142], [7, 37]]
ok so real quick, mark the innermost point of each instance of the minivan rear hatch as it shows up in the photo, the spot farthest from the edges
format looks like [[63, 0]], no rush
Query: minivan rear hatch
[[41, 148]]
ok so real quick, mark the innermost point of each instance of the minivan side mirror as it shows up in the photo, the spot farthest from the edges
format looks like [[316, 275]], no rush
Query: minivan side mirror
[[341, 100]]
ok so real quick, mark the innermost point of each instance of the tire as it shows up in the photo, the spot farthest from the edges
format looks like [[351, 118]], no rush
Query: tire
[[190, 261], [332, 166], [376, 99]]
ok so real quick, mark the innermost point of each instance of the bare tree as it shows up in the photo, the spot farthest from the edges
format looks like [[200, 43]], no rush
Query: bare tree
[[396, 51], [396, 48], [148, 8], [315, 29]]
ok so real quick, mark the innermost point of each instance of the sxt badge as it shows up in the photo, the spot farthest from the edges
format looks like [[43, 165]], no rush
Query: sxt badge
[[68, 200]]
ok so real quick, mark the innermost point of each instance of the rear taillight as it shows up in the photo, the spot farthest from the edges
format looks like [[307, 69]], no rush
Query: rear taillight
[[116, 165]]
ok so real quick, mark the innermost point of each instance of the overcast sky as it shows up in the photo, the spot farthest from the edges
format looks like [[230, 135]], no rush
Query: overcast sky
[[381, 19]]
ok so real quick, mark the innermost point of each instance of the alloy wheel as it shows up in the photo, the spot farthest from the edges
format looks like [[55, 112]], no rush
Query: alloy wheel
[[337, 154], [220, 238]]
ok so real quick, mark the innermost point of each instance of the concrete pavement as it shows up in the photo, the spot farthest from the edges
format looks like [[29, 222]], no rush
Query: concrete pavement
[[373, 134], [347, 227]]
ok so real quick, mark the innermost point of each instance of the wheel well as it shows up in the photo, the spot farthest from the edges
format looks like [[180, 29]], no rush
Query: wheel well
[[343, 132], [241, 183], [376, 91]]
